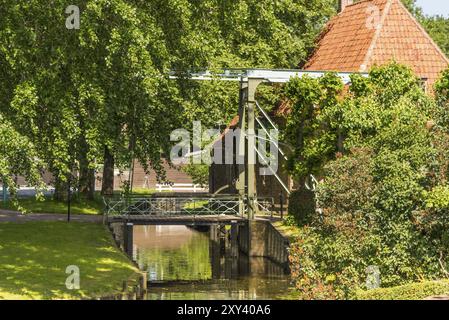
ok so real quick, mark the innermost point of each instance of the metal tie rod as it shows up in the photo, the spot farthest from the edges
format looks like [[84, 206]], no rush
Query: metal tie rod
[[266, 116], [272, 171], [271, 138]]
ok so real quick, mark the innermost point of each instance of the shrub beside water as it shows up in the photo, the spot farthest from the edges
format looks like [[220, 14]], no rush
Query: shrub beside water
[[301, 206]]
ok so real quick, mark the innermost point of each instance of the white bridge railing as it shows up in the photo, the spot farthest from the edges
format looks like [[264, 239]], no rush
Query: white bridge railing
[[178, 206]]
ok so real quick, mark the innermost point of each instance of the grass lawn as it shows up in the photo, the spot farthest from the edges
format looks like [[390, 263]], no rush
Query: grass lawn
[[78, 206], [49, 205], [34, 257], [291, 232], [143, 191]]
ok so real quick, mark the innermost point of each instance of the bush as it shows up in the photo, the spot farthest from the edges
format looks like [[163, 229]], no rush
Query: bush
[[301, 206], [348, 188], [325, 265], [414, 291], [361, 228]]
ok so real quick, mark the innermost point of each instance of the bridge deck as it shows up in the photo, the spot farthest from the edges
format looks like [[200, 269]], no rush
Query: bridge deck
[[177, 220]]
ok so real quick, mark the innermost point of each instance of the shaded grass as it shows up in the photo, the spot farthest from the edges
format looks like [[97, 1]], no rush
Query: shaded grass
[[34, 257], [143, 191]]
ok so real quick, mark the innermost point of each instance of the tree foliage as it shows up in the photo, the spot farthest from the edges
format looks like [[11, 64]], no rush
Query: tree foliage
[[308, 129], [18, 157], [383, 196], [101, 94]]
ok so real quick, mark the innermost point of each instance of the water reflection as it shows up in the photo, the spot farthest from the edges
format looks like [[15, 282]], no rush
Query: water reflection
[[170, 253], [182, 263]]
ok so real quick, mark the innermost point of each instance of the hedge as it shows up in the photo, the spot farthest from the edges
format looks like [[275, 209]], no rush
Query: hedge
[[414, 291]]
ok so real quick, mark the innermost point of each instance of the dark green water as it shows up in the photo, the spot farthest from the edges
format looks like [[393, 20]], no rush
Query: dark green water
[[183, 263]]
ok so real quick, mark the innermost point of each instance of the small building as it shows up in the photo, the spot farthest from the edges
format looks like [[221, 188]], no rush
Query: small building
[[360, 36]]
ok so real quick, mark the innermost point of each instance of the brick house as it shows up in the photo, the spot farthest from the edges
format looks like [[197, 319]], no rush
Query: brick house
[[360, 36]]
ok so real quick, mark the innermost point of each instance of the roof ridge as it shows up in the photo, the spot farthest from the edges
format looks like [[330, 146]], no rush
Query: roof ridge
[[376, 36], [426, 34]]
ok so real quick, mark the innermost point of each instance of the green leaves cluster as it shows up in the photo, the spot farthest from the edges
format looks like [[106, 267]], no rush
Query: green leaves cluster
[[383, 196], [309, 128]]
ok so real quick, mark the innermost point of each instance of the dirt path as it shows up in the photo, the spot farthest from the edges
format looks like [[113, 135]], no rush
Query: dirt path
[[14, 216]]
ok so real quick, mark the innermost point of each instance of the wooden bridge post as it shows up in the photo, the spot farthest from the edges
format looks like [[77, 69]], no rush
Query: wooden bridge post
[[128, 238], [246, 183]]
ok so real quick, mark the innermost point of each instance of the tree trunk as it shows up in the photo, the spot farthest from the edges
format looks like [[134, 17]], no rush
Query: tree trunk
[[86, 182], [107, 187]]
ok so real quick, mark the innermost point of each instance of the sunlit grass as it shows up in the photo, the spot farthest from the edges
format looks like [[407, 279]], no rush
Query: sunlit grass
[[78, 205], [50, 205], [288, 231], [143, 191], [34, 257]]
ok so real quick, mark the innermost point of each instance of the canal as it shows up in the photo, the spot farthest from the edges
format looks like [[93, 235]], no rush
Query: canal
[[183, 263]]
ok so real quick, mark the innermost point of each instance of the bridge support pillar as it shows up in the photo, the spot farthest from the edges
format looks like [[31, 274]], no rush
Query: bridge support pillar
[[128, 239], [214, 233], [215, 251], [234, 240]]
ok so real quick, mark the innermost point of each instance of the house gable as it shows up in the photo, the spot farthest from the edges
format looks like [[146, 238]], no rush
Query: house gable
[[404, 40], [375, 32]]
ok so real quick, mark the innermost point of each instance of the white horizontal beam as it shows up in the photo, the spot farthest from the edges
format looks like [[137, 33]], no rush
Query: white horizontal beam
[[266, 75]]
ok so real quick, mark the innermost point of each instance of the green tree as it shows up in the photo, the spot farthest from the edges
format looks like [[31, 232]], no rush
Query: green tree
[[18, 157], [101, 94], [79, 93], [308, 128]]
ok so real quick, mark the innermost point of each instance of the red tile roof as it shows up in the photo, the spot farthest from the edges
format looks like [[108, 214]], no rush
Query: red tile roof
[[374, 32]]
